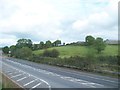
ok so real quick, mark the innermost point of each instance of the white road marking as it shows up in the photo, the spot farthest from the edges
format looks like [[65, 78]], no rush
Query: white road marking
[[30, 82], [54, 74], [21, 79], [12, 80], [16, 75], [29, 74], [35, 86], [12, 73], [87, 83]]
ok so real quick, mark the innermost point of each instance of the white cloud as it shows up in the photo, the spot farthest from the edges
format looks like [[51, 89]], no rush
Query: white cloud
[[51, 19], [30, 13], [100, 23], [80, 24]]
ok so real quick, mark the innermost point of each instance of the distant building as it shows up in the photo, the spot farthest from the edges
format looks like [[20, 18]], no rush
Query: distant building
[[112, 42], [81, 42]]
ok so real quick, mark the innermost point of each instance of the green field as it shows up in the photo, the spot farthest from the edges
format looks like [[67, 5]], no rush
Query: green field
[[67, 51]]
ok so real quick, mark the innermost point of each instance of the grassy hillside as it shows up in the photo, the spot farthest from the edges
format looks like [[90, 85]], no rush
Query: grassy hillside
[[67, 51]]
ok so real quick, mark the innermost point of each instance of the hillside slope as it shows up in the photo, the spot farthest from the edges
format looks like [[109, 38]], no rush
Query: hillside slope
[[67, 51]]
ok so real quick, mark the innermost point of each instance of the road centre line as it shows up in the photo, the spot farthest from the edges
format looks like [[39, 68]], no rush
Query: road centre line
[[39, 70], [30, 75], [71, 79], [63, 77], [71, 73], [30, 82]]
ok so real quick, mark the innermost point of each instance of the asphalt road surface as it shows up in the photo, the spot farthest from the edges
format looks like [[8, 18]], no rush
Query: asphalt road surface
[[32, 75]]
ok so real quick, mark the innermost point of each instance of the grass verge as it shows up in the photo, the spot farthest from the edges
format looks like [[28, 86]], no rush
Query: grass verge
[[7, 83]]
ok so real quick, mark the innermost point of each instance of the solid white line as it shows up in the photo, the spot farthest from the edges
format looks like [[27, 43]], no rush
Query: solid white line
[[35, 86], [12, 80], [16, 75], [30, 82], [29, 74], [47, 72], [21, 79], [67, 72]]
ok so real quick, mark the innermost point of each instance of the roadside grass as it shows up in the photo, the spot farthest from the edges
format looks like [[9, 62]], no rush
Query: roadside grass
[[8, 84], [0, 86], [68, 51]]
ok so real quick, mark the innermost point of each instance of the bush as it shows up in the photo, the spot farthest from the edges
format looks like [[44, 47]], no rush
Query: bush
[[23, 53], [53, 53], [5, 50]]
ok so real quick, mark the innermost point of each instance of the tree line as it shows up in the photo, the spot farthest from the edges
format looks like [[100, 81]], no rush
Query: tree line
[[28, 43], [24, 47]]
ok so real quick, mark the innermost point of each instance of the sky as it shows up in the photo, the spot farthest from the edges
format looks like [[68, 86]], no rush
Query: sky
[[67, 20]]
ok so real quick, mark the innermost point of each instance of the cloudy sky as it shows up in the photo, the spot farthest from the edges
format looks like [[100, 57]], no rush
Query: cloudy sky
[[67, 20]]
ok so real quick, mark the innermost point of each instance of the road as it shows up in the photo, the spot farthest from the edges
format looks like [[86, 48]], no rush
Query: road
[[32, 75]]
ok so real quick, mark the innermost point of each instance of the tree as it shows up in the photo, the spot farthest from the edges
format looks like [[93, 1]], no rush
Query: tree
[[54, 53], [51, 53], [46, 53], [13, 50], [24, 43], [89, 40], [36, 47], [41, 45], [99, 44], [23, 53], [5, 49], [48, 44], [90, 58], [57, 43]]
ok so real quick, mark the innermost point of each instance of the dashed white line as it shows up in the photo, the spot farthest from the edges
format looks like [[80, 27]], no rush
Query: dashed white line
[[16, 75], [35, 86], [12, 73], [21, 79], [54, 74], [30, 82], [30, 75]]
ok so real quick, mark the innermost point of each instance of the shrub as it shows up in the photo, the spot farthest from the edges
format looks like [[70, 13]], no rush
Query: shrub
[[53, 53], [23, 53]]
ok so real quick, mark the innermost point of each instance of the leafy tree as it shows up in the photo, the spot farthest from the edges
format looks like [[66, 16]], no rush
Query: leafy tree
[[41, 45], [99, 44], [48, 44], [54, 53], [5, 49], [57, 43], [46, 53], [13, 50], [90, 57], [24, 43], [23, 53], [63, 44], [36, 46], [51, 53], [89, 40]]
